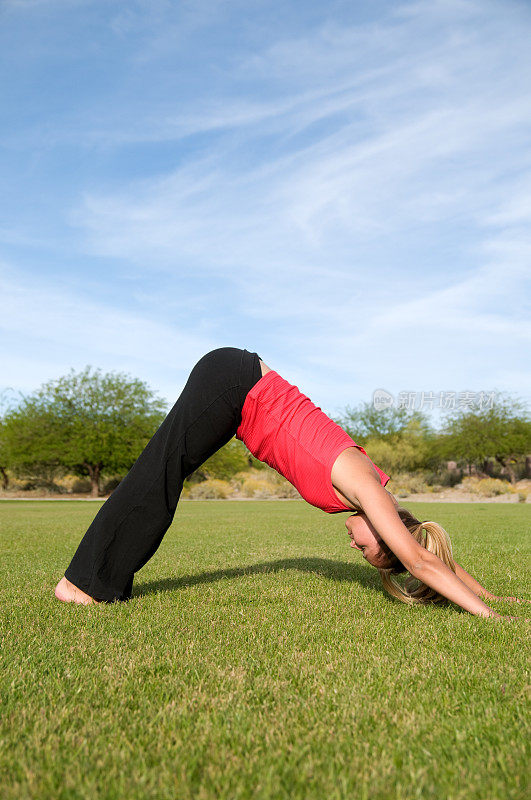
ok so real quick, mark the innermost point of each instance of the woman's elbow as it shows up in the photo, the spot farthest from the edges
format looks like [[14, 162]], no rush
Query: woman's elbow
[[419, 562]]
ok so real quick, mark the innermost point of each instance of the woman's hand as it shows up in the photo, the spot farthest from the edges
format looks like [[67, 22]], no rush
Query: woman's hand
[[354, 478]]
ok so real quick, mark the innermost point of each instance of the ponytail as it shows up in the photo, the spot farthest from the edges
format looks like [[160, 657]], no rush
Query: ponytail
[[433, 538]]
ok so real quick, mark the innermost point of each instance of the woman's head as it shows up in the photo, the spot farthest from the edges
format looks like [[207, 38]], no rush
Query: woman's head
[[364, 537], [428, 534]]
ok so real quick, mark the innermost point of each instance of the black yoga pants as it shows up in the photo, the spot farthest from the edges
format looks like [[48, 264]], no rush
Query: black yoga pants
[[130, 525]]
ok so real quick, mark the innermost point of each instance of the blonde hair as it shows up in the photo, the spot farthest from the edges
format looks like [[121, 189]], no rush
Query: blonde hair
[[435, 539]]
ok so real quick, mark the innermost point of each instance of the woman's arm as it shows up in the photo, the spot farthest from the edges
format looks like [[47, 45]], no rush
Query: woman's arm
[[353, 476], [469, 581], [472, 583], [427, 567]]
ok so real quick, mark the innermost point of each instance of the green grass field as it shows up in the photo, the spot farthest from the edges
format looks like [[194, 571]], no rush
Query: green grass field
[[259, 658]]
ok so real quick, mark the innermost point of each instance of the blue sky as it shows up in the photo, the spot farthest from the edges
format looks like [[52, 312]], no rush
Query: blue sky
[[343, 187]]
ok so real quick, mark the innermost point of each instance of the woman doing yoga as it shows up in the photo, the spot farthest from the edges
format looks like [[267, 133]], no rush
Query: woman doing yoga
[[231, 392]]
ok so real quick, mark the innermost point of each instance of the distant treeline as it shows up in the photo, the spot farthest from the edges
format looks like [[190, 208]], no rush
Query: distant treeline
[[92, 426]]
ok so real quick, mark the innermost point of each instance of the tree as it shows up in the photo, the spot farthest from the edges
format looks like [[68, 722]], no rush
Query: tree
[[395, 438], [4, 458], [6, 401], [404, 453], [85, 423], [366, 422], [233, 457], [502, 432]]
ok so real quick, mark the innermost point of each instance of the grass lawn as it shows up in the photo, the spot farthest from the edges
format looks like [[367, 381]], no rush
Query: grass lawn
[[259, 658]]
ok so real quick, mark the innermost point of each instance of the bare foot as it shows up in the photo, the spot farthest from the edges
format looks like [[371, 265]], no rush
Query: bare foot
[[68, 593]]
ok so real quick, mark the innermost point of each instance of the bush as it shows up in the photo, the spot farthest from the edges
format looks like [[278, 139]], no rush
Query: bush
[[264, 482], [73, 484], [81, 485], [110, 484], [402, 454], [404, 483], [281, 486], [40, 484], [211, 489], [444, 477], [257, 488], [224, 463], [487, 487], [239, 478]]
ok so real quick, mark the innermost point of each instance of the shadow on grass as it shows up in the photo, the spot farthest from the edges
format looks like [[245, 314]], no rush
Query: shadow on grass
[[333, 570]]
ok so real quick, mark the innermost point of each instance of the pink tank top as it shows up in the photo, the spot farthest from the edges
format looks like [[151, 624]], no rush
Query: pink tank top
[[282, 427]]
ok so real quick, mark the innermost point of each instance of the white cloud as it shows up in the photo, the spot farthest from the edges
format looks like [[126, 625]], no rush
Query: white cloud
[[358, 194], [417, 142], [400, 143], [51, 330]]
